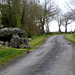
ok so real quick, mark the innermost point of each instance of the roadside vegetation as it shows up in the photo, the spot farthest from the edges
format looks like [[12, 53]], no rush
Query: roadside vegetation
[[37, 40], [7, 54], [71, 37]]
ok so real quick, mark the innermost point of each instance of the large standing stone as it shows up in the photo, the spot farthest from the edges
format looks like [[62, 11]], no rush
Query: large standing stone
[[15, 36], [15, 41]]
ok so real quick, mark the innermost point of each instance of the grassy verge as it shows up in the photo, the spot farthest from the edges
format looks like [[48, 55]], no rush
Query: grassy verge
[[70, 37], [60, 34], [7, 54], [38, 40]]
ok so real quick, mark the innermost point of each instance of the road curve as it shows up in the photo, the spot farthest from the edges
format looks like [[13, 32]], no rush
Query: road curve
[[55, 57]]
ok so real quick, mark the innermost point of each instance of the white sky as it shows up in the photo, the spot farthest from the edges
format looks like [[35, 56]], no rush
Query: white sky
[[53, 25], [62, 4]]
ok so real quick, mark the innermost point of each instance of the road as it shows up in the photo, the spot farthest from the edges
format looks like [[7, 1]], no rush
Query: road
[[55, 57]]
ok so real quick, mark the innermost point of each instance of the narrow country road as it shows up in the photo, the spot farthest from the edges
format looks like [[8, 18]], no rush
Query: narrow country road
[[55, 57]]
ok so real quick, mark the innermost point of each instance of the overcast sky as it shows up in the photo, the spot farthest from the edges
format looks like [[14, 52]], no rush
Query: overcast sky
[[63, 5]]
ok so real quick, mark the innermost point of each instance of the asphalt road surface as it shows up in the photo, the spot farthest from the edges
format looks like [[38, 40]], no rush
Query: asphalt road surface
[[55, 57]]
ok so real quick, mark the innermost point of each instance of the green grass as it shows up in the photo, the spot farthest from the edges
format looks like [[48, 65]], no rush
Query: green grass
[[70, 37], [7, 54], [38, 40], [60, 34], [73, 35]]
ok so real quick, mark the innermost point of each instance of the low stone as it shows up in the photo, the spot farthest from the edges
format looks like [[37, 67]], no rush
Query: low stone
[[23, 46], [6, 43], [15, 41], [1, 43], [15, 37]]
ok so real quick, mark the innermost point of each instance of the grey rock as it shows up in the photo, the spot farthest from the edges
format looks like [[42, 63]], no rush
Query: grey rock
[[15, 41], [23, 46], [1, 43], [14, 37], [6, 43]]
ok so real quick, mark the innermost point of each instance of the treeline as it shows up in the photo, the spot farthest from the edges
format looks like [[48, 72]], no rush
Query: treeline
[[21, 14], [66, 18], [28, 15]]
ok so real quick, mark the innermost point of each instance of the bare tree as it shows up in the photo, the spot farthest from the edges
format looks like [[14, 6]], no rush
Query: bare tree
[[73, 2], [72, 14], [71, 6], [59, 19], [50, 10], [66, 20]]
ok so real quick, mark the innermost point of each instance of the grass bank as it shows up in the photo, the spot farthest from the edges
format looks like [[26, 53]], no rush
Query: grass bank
[[37, 40], [7, 54], [70, 37]]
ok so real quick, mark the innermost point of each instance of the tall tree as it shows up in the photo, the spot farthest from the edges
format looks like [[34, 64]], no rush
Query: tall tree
[[59, 19], [49, 11], [66, 20], [71, 6], [31, 12]]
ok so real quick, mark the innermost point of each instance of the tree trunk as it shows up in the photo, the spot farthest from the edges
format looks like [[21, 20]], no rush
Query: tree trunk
[[65, 28], [43, 29], [42, 25], [59, 29], [47, 28]]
